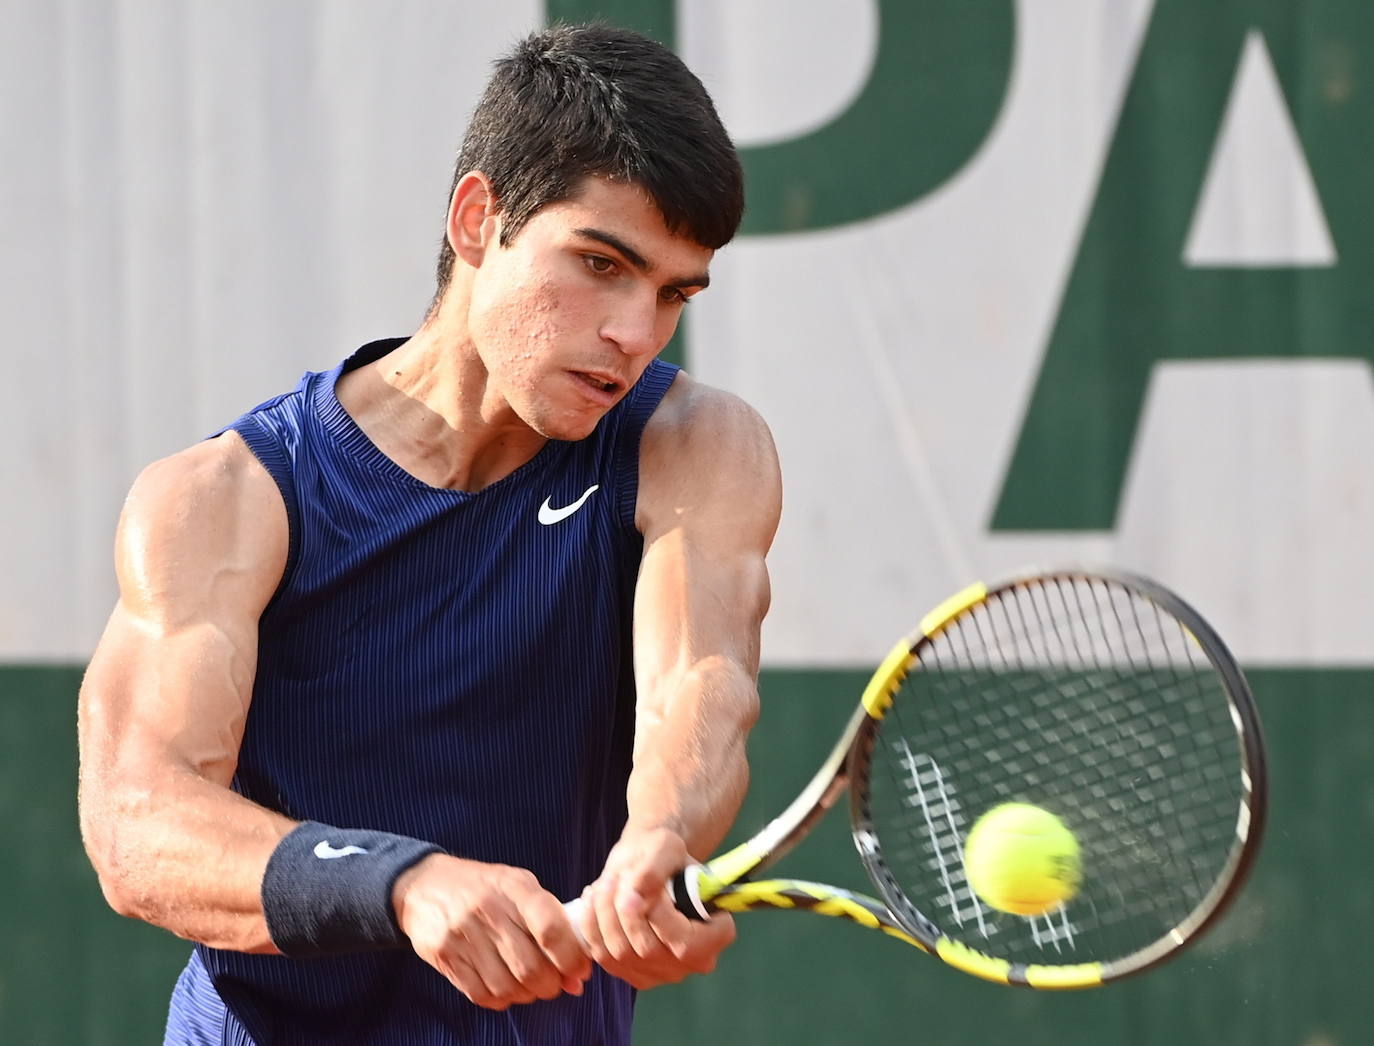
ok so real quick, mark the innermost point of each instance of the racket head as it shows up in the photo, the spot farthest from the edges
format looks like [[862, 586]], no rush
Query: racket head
[[1097, 695]]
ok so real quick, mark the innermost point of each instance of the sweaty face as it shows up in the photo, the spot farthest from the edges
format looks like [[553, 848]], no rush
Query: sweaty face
[[566, 318]]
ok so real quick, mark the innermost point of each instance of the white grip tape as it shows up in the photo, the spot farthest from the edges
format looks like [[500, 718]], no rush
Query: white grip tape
[[573, 910]]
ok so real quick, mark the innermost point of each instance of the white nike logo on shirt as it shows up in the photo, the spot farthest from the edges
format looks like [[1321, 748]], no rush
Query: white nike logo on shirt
[[548, 514], [326, 852]]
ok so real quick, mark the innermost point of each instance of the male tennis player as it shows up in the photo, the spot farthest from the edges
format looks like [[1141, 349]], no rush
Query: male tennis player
[[464, 626]]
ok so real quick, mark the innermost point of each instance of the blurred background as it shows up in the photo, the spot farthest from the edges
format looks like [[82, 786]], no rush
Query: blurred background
[[1036, 282]]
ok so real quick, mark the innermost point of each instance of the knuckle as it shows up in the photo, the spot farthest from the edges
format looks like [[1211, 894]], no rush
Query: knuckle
[[653, 950], [522, 969], [465, 924], [532, 970], [491, 896], [523, 879], [545, 920], [547, 932]]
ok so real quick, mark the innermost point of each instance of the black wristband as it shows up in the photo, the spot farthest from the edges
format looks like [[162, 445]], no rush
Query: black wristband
[[328, 890]]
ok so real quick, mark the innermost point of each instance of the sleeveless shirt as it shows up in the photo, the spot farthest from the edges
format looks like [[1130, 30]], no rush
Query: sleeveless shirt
[[446, 665]]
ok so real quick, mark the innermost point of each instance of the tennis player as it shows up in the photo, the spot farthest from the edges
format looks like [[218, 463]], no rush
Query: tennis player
[[466, 626]]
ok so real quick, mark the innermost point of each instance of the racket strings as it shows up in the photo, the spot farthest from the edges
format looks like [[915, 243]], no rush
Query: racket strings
[[1087, 699]]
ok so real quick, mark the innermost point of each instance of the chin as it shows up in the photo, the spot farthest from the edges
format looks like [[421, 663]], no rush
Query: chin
[[567, 429], [571, 433]]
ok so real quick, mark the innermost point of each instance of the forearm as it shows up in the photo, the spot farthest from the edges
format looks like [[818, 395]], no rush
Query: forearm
[[690, 768], [184, 853]]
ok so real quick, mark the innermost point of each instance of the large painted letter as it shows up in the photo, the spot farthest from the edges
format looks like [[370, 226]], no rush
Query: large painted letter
[[1143, 290]]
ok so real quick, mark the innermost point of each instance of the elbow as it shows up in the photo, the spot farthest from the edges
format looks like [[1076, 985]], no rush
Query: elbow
[[114, 888], [113, 879], [108, 828], [111, 870]]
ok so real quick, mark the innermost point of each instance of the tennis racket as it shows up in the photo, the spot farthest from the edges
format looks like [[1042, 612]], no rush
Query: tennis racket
[[1101, 697]]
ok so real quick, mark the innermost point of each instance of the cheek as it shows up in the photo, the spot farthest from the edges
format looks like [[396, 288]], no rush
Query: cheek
[[520, 310]]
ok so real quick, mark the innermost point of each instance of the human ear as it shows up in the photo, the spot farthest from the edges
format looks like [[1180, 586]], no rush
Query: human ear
[[473, 221]]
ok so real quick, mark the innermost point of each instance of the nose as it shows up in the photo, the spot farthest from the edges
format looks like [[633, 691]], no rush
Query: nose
[[637, 326]]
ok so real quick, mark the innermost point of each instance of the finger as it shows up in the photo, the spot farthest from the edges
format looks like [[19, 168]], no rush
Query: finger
[[527, 962], [548, 924], [590, 933], [585, 922], [671, 927], [654, 865], [614, 943], [641, 931], [467, 980], [707, 941], [486, 959]]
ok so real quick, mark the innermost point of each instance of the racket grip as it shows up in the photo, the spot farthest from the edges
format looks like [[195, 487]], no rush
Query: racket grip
[[573, 910], [684, 889]]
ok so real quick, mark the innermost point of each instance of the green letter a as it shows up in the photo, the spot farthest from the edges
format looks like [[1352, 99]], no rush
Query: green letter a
[[1132, 299]]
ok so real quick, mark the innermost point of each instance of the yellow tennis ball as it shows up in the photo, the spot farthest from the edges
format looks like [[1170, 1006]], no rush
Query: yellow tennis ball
[[1021, 859]]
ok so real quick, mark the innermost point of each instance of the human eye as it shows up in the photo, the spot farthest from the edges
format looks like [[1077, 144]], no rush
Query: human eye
[[674, 296], [599, 264]]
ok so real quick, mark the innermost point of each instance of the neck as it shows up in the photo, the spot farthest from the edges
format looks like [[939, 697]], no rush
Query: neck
[[429, 406]]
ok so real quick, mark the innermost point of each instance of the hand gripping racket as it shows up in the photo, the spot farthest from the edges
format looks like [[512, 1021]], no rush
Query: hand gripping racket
[[1100, 697]]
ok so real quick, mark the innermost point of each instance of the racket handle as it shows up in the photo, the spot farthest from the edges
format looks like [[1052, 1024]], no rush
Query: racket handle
[[684, 889], [573, 910]]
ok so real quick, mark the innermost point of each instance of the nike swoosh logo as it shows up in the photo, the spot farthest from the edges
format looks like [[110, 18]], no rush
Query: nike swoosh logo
[[325, 852], [548, 514]]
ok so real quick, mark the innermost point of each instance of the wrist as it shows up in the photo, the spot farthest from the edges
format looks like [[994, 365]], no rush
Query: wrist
[[331, 890], [672, 824], [404, 891]]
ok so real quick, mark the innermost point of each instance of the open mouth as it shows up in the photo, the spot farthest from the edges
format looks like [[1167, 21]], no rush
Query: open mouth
[[598, 381]]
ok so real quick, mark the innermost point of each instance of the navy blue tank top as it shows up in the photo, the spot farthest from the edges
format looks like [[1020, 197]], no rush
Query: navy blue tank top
[[446, 665]]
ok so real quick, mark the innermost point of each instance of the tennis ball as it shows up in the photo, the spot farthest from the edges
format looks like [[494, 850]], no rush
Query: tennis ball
[[1021, 859]]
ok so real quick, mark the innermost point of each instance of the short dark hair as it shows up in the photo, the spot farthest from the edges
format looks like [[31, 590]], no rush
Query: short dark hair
[[579, 100]]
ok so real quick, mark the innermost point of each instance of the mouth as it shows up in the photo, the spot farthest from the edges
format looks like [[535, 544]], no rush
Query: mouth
[[598, 382]]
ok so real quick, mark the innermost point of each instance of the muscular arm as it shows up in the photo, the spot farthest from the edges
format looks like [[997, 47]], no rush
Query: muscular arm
[[708, 507], [200, 549]]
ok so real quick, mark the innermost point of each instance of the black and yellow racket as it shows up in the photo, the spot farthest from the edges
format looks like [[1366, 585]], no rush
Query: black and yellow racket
[[1101, 701]]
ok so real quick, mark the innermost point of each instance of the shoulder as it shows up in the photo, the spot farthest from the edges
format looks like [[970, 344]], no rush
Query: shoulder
[[696, 418], [703, 443], [205, 509], [212, 475]]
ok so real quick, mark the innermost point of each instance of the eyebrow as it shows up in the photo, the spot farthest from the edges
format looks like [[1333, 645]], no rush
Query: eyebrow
[[702, 280]]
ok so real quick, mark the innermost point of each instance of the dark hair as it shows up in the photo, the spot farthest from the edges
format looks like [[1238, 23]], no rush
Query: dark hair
[[579, 100]]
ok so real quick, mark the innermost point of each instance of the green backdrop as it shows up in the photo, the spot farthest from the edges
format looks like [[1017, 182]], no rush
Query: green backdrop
[[1277, 970]]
